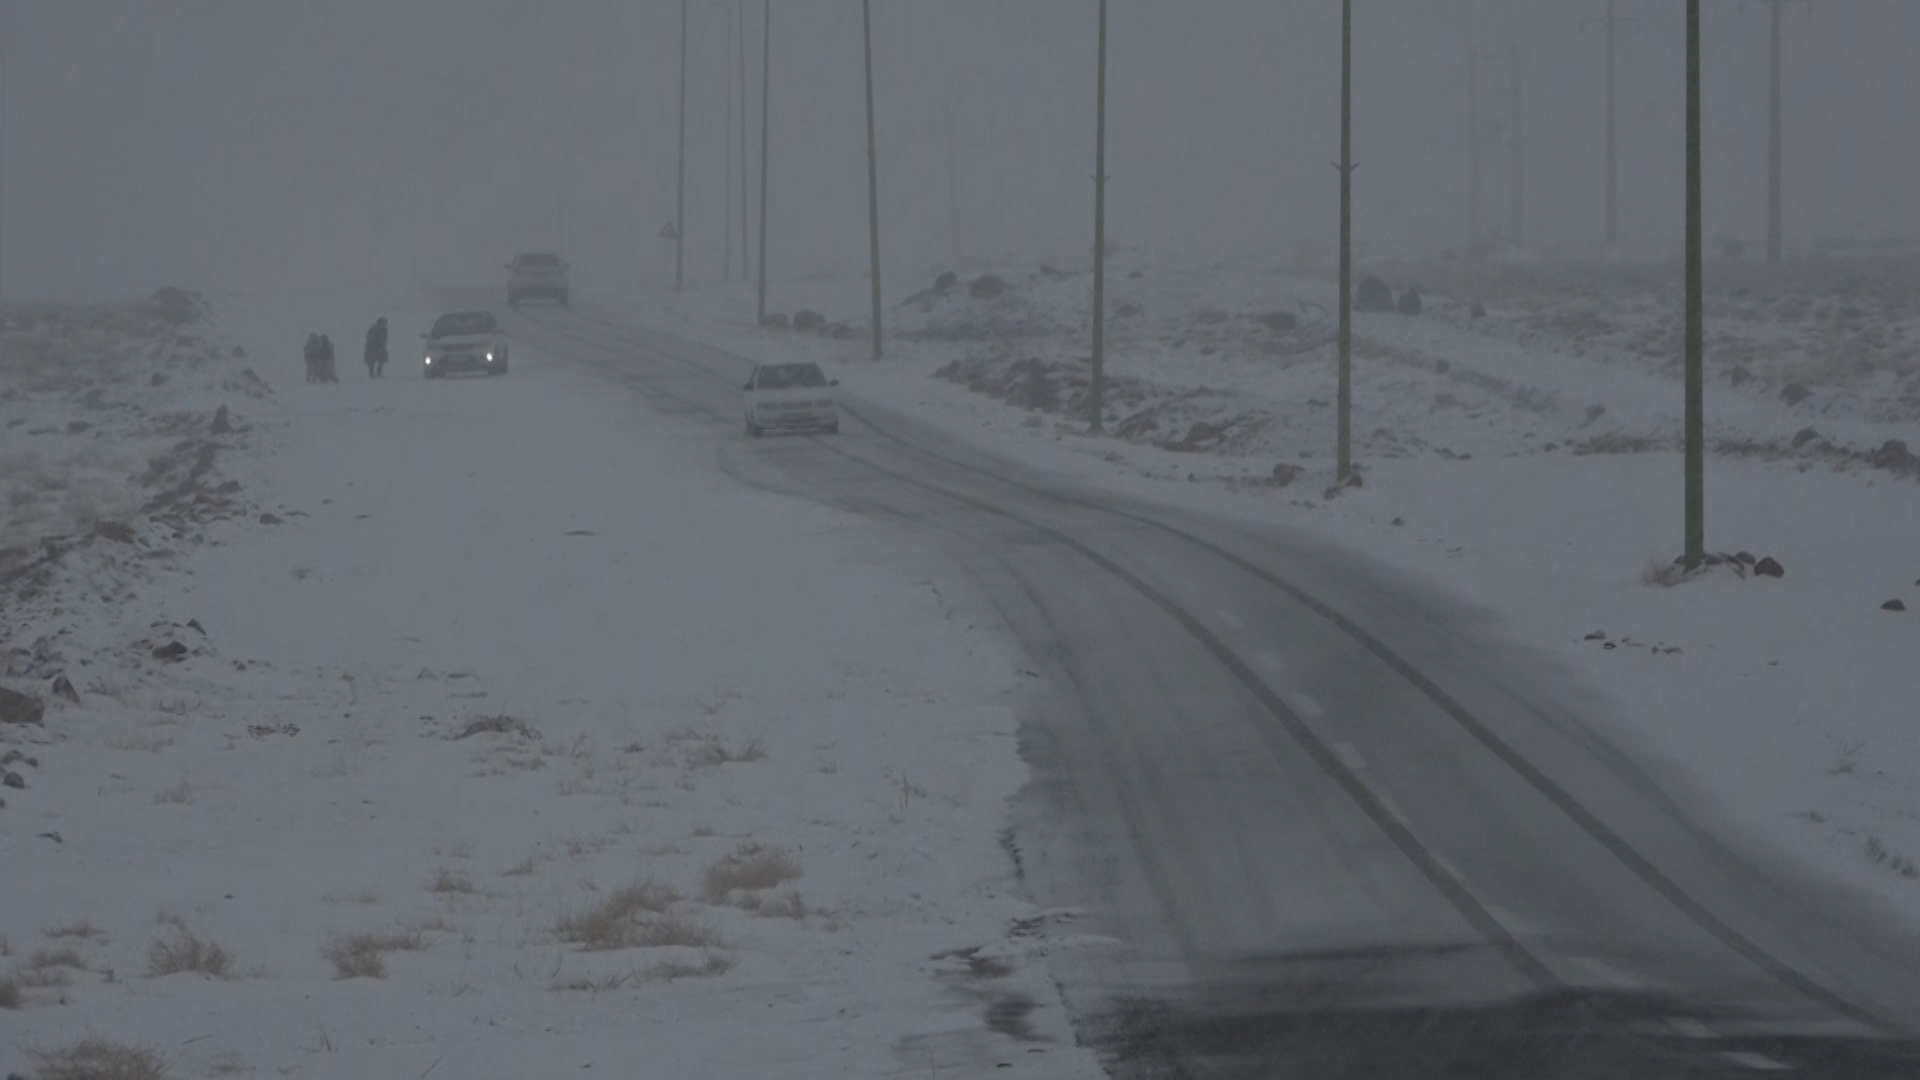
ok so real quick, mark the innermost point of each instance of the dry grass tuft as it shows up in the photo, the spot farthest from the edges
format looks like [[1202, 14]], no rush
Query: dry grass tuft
[[788, 905], [678, 931], [364, 956], [615, 922], [593, 984], [180, 794], [1662, 573], [145, 742], [97, 1059], [526, 867], [710, 964], [500, 724], [750, 866], [47, 959], [364, 896], [447, 880], [181, 950], [83, 929], [711, 751]]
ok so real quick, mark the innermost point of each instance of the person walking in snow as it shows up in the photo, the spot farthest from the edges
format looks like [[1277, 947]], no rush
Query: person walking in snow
[[326, 359], [311, 353], [376, 351]]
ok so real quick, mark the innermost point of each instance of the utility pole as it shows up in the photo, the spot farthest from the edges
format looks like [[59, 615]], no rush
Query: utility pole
[[953, 192], [560, 222], [1344, 467], [1610, 22], [873, 179], [1775, 234], [680, 200], [766, 99], [726, 152], [742, 70], [1696, 312], [1474, 234], [1518, 182], [1097, 390]]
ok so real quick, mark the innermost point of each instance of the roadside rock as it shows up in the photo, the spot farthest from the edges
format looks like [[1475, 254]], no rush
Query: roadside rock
[[18, 708], [117, 531], [1794, 393], [1769, 567], [1373, 295], [1410, 303], [1893, 454], [776, 320], [807, 321], [1804, 436], [1280, 322], [14, 780], [222, 424], [947, 280], [1284, 474], [269, 519], [986, 287], [63, 687], [172, 652], [1896, 604]]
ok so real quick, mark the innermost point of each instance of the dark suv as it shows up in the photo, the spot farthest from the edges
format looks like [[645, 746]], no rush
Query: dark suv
[[537, 276]]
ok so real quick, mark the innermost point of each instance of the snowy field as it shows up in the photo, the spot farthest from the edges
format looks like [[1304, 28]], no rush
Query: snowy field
[[1525, 455], [473, 728]]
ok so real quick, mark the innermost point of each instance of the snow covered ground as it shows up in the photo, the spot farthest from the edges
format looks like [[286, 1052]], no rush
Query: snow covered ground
[[474, 728], [1526, 458]]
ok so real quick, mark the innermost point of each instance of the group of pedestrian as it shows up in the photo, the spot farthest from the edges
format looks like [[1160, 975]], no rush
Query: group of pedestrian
[[319, 354]]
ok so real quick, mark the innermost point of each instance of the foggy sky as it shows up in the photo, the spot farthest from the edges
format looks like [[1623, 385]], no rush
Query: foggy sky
[[269, 144]]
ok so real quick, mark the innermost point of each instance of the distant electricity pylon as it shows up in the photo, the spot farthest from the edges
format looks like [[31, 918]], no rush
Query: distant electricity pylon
[[1774, 232], [1494, 132], [1611, 22], [1695, 334], [873, 177]]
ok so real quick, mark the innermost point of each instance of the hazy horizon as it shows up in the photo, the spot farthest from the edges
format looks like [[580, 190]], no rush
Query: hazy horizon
[[274, 144]]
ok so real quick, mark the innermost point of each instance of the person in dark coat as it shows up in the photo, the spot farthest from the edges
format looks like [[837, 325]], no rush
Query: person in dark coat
[[326, 359], [376, 351], [311, 353]]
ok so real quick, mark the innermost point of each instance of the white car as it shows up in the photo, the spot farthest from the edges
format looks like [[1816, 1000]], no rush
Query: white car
[[537, 276], [465, 341], [790, 397]]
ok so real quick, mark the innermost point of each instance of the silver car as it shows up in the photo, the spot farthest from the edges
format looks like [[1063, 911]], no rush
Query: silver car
[[790, 397], [537, 276]]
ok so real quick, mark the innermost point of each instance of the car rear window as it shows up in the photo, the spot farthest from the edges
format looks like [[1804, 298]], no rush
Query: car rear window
[[539, 262], [791, 376]]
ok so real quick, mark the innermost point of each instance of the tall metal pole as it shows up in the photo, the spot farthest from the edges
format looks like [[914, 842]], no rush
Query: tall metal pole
[[680, 200], [1518, 182], [742, 75], [1474, 234], [1345, 455], [873, 180], [1613, 145], [1696, 311], [1773, 142], [1097, 390], [766, 99], [953, 192], [726, 148]]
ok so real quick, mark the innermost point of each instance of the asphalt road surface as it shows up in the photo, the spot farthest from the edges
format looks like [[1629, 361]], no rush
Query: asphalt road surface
[[1341, 826]]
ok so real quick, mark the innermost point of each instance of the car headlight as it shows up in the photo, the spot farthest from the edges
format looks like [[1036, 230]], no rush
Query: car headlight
[[489, 356], [429, 359]]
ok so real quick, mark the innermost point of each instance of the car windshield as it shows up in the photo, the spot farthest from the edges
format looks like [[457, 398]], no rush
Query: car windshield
[[464, 322], [539, 262], [791, 377]]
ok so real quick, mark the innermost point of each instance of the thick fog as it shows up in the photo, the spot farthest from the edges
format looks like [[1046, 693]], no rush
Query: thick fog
[[258, 144]]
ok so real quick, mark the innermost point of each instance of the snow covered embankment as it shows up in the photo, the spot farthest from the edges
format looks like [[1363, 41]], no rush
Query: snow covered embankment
[[497, 735], [1525, 459]]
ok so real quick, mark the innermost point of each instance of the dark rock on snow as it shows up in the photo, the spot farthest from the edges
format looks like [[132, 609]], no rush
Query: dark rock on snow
[[805, 320], [1804, 436], [1896, 604], [1280, 322], [946, 280], [1794, 393], [986, 287], [117, 531], [222, 424], [269, 519], [63, 687], [1284, 474], [171, 651], [1769, 567], [14, 780], [18, 708], [1373, 295], [776, 320], [1410, 303]]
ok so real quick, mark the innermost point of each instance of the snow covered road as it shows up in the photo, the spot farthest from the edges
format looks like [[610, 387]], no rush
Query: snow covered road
[[1276, 781]]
